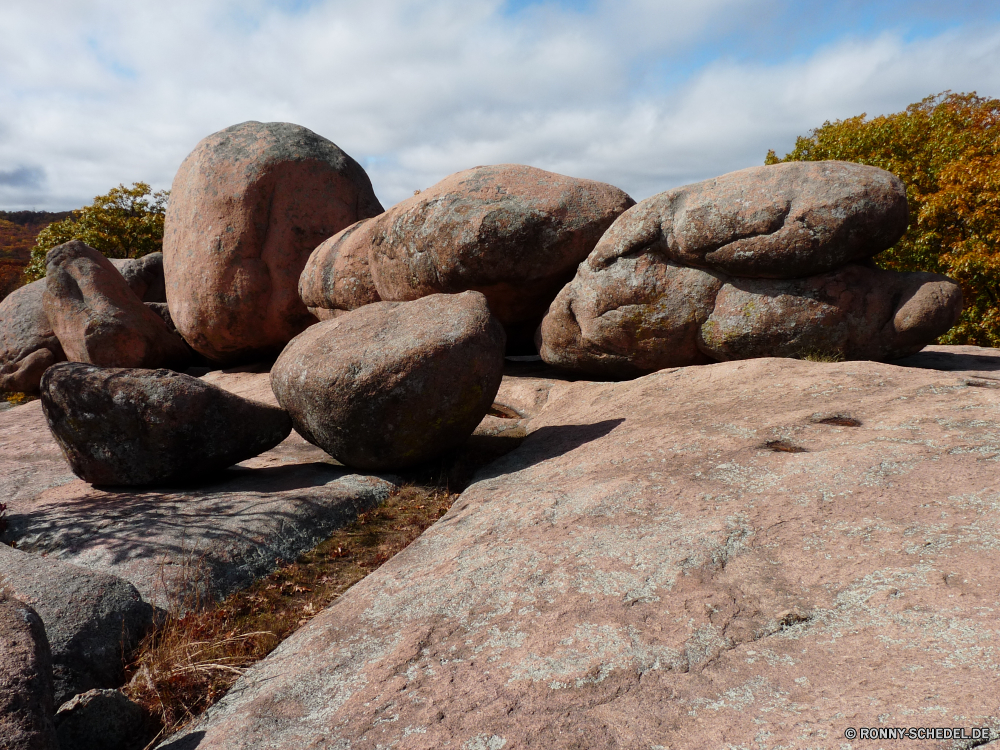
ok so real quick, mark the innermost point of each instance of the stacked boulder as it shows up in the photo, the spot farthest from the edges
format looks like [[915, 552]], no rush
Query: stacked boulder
[[514, 233], [767, 261]]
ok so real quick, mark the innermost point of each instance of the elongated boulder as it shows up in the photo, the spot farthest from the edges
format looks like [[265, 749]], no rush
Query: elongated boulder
[[637, 315], [391, 385], [512, 232], [26, 706], [247, 207], [133, 427], [779, 221], [93, 620], [99, 319], [336, 276], [28, 345], [852, 313]]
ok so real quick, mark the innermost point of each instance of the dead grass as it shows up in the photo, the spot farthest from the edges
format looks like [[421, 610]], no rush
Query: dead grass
[[17, 398], [191, 660]]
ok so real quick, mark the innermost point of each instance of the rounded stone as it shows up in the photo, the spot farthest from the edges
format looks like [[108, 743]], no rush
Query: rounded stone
[[392, 385], [247, 207]]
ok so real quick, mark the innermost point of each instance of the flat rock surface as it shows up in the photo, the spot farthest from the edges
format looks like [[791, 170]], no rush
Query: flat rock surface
[[753, 554], [172, 542]]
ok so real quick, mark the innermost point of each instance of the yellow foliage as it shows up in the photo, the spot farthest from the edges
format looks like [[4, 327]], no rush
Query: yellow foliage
[[946, 150]]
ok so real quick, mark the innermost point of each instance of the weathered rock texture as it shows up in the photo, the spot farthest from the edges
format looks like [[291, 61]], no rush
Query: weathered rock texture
[[643, 313], [748, 554], [144, 276], [92, 620], [28, 345], [512, 232], [26, 708], [99, 319], [176, 545], [102, 720], [391, 385], [779, 221], [336, 276], [133, 427], [247, 207], [854, 313]]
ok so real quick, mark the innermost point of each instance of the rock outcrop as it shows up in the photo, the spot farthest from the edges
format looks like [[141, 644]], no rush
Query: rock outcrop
[[391, 385], [757, 553], [768, 261], [514, 233], [144, 276], [102, 720], [26, 708], [28, 345], [99, 319], [133, 427], [92, 620], [247, 207]]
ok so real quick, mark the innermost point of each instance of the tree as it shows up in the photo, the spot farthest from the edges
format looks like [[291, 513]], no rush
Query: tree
[[125, 223], [946, 150]]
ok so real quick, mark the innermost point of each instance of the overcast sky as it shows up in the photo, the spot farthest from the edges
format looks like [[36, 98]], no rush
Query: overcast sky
[[644, 94]]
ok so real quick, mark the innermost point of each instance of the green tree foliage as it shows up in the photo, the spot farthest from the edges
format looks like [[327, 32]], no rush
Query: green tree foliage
[[946, 150], [125, 223]]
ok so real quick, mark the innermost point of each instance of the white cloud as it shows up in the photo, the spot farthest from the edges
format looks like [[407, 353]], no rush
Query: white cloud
[[92, 94]]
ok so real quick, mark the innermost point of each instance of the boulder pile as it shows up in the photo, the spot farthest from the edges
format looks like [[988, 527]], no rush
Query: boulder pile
[[767, 261], [390, 330]]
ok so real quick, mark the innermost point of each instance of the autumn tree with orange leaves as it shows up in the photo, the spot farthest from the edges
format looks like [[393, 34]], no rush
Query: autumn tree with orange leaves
[[946, 150]]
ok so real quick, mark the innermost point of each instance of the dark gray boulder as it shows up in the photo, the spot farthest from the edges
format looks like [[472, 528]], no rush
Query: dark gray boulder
[[121, 426], [391, 385], [102, 720], [780, 221], [93, 620], [28, 345], [26, 706], [99, 319], [144, 276]]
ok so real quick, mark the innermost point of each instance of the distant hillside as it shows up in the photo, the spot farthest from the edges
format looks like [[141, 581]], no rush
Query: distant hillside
[[18, 230]]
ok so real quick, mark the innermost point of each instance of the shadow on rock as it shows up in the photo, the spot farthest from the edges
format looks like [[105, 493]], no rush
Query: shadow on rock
[[550, 442]]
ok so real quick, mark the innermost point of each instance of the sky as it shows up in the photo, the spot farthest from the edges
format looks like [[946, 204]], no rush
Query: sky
[[644, 94]]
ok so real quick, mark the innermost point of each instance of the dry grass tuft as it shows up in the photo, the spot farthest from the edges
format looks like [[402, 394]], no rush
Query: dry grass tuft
[[191, 660], [16, 398]]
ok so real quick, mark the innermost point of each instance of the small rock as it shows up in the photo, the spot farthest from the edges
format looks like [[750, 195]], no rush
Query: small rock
[[26, 706], [102, 720], [852, 313], [391, 385], [28, 345], [247, 207], [779, 221], [99, 319], [337, 276], [512, 232], [93, 620], [144, 276], [130, 427]]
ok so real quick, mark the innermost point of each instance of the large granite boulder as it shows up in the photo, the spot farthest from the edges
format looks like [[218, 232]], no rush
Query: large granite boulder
[[512, 232], [99, 319], [779, 221], [851, 313], [28, 345], [337, 277], [391, 385], [247, 207], [643, 313], [26, 707], [761, 554], [132, 427], [632, 317], [93, 620]]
